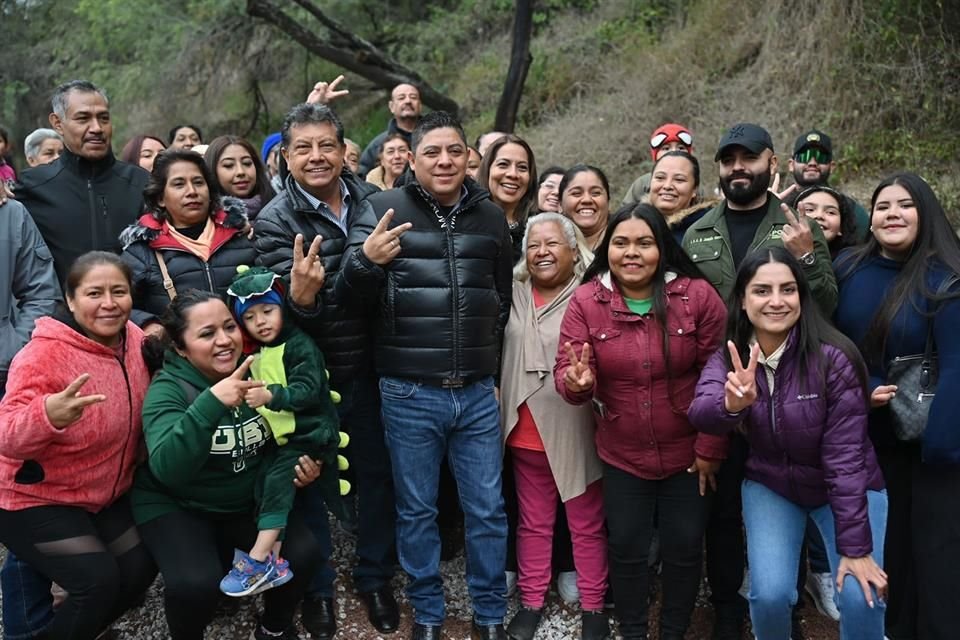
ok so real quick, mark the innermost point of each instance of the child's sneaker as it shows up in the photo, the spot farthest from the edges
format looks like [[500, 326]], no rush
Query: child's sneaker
[[280, 575], [247, 575]]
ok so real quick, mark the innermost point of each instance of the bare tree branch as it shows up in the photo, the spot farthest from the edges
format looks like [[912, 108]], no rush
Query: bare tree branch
[[520, 59], [345, 49]]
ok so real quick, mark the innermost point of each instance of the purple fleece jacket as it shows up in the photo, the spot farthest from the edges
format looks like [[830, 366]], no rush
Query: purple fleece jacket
[[808, 443]]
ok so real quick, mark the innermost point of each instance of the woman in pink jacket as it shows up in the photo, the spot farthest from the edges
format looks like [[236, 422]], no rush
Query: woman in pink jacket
[[70, 436], [633, 342]]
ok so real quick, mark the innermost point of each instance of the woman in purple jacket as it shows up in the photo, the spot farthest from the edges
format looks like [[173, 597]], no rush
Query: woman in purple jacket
[[801, 401]]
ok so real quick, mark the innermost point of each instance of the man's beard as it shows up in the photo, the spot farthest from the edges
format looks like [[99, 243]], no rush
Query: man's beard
[[744, 195], [804, 183]]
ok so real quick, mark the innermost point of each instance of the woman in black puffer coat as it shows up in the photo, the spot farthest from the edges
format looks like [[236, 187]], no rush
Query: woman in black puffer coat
[[187, 231]]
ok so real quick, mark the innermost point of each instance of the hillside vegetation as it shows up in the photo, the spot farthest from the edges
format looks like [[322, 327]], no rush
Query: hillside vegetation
[[881, 76]]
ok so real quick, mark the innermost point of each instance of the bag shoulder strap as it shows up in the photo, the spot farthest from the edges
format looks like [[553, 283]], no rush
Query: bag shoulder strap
[[167, 280], [190, 391]]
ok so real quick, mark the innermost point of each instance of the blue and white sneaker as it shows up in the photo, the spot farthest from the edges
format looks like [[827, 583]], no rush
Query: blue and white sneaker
[[247, 575], [280, 575]]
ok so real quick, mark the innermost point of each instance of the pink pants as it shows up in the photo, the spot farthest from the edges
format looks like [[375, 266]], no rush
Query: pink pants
[[537, 498]]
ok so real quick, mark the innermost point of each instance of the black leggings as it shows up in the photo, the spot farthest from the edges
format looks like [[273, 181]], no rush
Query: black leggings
[[97, 558], [194, 551], [630, 503]]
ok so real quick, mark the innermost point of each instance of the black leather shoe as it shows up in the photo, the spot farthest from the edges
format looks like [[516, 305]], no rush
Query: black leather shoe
[[382, 610], [423, 632], [594, 625], [524, 624], [487, 632], [319, 617]]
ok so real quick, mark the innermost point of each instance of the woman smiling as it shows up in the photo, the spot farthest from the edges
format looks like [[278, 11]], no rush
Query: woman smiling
[[633, 341], [186, 241]]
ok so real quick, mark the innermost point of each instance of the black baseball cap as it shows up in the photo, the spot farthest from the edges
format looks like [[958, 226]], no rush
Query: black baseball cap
[[813, 138], [746, 135]]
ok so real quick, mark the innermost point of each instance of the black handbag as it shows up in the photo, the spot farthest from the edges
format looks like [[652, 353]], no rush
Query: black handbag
[[916, 380]]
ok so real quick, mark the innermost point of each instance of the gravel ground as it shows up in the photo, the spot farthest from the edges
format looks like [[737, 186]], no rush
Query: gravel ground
[[560, 623]]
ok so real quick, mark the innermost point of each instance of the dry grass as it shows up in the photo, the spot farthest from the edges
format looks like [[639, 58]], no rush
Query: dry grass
[[788, 65]]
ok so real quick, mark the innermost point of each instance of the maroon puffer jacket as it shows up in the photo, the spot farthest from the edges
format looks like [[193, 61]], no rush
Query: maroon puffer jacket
[[809, 442], [639, 403]]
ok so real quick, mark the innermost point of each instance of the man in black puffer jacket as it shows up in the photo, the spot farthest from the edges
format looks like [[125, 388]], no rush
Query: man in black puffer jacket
[[321, 199], [436, 254]]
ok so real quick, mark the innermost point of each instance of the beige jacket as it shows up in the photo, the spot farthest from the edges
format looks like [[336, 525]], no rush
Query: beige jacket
[[529, 352]]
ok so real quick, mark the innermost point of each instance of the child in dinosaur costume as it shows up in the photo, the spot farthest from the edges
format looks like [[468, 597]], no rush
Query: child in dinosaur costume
[[298, 404]]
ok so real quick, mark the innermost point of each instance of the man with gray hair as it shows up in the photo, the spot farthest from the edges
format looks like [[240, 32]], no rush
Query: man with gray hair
[[83, 200], [42, 146], [319, 205]]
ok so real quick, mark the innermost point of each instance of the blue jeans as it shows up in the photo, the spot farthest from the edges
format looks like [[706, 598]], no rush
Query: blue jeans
[[359, 412], [27, 603], [423, 423], [775, 528]]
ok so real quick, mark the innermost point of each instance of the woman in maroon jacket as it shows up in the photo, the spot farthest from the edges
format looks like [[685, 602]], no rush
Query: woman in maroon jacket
[[633, 342], [802, 404]]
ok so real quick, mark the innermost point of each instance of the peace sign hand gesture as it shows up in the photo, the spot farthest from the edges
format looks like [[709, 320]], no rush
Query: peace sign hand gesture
[[232, 390], [797, 236], [740, 390], [66, 407], [326, 92], [307, 274], [383, 244], [579, 376]]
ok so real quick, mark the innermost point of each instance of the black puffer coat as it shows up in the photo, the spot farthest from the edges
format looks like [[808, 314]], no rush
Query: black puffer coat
[[230, 248], [340, 328], [445, 299]]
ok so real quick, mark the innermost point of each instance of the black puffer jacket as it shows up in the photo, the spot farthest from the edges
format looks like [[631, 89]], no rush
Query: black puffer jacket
[[445, 299], [81, 206], [230, 248], [340, 328]]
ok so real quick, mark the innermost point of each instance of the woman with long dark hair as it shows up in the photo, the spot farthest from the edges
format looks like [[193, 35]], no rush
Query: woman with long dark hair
[[240, 172], [633, 340], [896, 290], [800, 401], [509, 171]]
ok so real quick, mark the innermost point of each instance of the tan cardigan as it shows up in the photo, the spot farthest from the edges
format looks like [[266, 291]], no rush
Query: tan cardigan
[[529, 352]]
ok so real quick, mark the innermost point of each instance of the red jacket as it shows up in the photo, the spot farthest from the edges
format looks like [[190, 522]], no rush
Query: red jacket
[[89, 463], [640, 406]]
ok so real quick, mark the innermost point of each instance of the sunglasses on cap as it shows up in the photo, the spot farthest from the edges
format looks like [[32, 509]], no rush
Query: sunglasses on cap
[[821, 156], [684, 136]]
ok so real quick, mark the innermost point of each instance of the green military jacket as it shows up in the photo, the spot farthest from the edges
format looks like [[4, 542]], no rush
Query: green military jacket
[[707, 242]]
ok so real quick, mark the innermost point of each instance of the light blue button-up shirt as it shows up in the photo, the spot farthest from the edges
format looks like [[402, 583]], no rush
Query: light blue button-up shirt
[[324, 209]]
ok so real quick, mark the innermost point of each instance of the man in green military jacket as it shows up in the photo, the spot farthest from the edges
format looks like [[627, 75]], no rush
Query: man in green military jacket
[[751, 217]]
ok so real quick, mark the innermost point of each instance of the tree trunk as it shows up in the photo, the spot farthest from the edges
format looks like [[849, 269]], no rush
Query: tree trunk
[[520, 60], [347, 50]]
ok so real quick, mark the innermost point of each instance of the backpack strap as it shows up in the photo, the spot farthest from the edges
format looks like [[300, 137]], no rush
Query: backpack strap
[[189, 391]]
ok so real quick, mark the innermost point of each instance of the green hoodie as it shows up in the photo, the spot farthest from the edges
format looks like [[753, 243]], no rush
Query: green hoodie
[[203, 456]]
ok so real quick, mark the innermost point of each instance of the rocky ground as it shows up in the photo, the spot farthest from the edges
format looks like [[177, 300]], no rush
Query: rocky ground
[[560, 623]]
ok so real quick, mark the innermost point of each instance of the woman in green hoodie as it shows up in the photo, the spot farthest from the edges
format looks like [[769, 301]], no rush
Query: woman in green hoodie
[[194, 499]]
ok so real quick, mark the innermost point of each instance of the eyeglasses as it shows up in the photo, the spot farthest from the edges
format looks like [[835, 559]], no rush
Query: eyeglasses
[[685, 137], [805, 156]]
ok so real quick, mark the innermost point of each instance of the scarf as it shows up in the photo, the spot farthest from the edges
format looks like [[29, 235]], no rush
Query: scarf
[[199, 247]]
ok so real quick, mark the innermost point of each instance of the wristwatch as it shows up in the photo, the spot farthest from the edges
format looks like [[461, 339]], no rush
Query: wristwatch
[[808, 259]]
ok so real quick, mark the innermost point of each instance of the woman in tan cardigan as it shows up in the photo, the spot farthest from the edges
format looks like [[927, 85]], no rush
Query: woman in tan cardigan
[[551, 443]]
